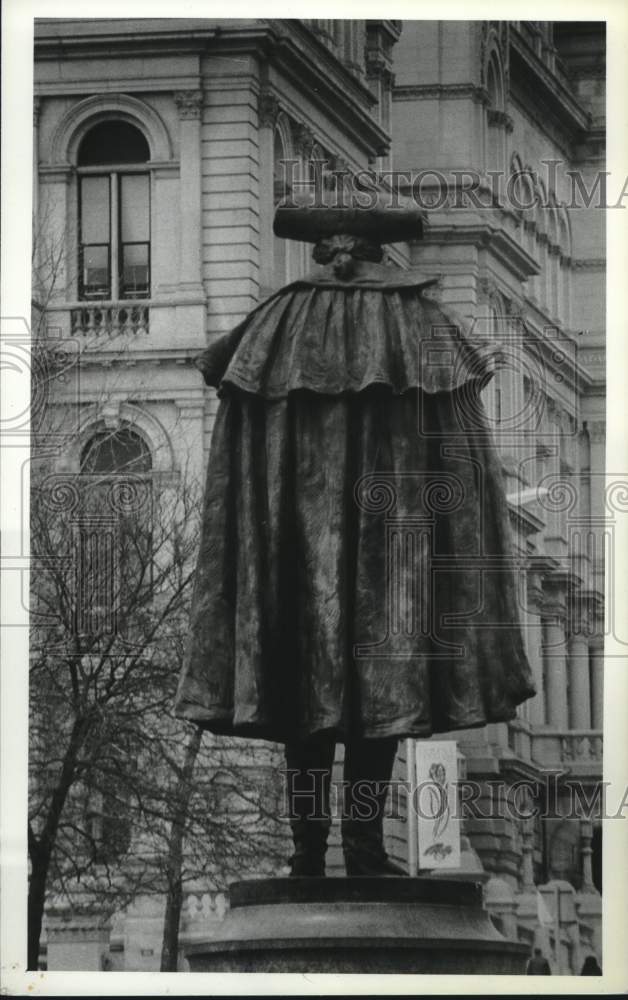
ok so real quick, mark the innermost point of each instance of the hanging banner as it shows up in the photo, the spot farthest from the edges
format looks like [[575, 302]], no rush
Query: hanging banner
[[435, 804]]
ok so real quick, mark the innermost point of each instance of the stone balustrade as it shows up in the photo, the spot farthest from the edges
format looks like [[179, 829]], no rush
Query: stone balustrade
[[110, 318], [576, 749]]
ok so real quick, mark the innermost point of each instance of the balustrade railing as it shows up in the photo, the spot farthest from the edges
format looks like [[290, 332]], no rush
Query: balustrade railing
[[110, 318], [569, 747]]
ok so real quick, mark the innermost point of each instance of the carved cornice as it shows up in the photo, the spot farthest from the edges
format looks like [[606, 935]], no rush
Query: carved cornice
[[432, 91], [189, 103], [505, 248], [268, 108], [500, 118]]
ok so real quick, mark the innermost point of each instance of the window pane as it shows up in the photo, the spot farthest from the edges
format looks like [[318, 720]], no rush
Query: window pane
[[118, 451], [96, 271], [113, 142], [95, 214], [134, 208], [135, 269]]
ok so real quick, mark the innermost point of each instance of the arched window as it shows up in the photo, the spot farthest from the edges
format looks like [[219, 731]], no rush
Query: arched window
[[116, 452], [114, 531], [541, 281], [494, 85], [565, 265], [114, 213], [495, 152]]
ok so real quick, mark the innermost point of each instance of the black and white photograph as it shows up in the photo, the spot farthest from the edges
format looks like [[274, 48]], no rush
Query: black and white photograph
[[314, 648]]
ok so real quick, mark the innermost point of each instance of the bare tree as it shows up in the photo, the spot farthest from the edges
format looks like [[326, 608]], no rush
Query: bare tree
[[124, 799]]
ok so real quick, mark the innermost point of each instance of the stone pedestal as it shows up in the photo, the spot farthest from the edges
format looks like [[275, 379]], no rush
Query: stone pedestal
[[358, 925]]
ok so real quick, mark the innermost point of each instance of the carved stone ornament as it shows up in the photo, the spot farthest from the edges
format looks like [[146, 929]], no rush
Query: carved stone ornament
[[268, 108], [304, 139], [189, 103]]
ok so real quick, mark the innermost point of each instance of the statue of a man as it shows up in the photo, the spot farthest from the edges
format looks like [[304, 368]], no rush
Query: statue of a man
[[349, 405]]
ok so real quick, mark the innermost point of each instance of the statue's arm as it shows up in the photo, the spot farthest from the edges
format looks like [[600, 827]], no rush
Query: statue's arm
[[214, 362]]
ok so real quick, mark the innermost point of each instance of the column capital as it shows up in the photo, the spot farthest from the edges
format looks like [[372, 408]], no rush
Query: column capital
[[303, 138], [377, 68], [189, 103], [268, 108], [581, 613]]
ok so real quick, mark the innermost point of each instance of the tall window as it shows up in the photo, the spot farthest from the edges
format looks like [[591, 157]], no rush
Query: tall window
[[114, 213], [113, 532]]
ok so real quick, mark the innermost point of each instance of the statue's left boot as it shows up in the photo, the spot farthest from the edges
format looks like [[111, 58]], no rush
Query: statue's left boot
[[309, 765], [367, 775]]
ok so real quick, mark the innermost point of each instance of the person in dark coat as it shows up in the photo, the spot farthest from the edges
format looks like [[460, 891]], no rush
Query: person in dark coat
[[538, 964], [590, 967], [354, 580]]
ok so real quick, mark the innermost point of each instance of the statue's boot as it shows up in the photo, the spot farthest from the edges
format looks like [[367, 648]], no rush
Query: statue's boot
[[309, 766], [367, 774]]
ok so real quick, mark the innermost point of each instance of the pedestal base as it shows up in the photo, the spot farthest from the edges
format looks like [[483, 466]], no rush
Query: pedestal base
[[359, 925]]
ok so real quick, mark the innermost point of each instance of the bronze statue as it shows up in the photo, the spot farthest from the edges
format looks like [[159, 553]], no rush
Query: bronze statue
[[349, 403]]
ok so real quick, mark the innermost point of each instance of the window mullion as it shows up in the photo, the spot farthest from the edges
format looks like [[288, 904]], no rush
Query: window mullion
[[115, 239]]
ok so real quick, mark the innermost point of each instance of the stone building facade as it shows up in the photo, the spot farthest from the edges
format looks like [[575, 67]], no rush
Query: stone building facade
[[159, 153]]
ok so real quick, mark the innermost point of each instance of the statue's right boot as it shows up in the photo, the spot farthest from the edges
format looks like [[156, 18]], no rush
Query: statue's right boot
[[368, 772], [308, 777]]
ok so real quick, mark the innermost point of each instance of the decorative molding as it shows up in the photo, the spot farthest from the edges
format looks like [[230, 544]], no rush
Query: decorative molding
[[432, 91], [268, 108], [36, 111], [189, 103], [592, 357], [588, 263], [504, 247], [82, 115], [378, 69], [60, 172], [139, 419], [487, 287], [501, 119]]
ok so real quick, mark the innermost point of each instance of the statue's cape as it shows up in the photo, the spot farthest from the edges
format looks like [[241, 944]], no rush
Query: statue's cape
[[332, 336]]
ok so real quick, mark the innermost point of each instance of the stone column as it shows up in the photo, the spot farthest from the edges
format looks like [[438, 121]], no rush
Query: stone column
[[527, 857], [597, 444], [578, 667], [586, 851], [554, 659], [534, 647], [597, 685], [189, 104], [268, 112]]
